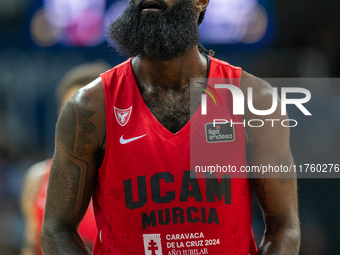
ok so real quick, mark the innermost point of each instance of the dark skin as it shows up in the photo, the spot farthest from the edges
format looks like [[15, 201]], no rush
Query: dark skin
[[80, 142], [168, 99], [277, 196]]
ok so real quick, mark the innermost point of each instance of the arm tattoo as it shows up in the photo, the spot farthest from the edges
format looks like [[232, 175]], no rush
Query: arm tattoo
[[69, 173], [84, 128], [64, 174], [75, 127]]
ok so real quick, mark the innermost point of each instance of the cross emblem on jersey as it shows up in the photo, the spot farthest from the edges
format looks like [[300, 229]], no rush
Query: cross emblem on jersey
[[152, 247], [122, 115]]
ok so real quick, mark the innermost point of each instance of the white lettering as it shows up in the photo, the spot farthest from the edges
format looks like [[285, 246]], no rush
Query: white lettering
[[262, 112], [238, 100], [298, 102]]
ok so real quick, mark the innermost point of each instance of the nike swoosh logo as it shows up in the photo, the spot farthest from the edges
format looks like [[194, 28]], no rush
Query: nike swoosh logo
[[125, 141]]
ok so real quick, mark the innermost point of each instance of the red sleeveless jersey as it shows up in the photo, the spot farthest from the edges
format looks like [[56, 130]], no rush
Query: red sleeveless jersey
[[145, 201], [87, 228]]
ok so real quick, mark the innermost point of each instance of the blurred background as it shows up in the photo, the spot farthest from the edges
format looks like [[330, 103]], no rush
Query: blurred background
[[40, 40]]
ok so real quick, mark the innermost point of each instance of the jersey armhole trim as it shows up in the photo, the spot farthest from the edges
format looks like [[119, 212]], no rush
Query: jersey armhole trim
[[107, 120]]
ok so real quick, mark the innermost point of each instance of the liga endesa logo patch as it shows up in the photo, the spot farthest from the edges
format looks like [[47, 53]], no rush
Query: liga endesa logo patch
[[219, 133]]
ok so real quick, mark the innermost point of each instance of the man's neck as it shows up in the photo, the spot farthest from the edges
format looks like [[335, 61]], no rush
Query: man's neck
[[174, 74]]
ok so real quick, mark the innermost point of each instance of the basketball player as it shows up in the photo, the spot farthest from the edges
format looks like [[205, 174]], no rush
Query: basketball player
[[35, 187], [125, 140]]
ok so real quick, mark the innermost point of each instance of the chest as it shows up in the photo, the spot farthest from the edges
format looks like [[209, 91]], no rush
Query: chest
[[173, 109]]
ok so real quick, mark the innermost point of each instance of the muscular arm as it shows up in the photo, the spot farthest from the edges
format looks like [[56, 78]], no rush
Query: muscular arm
[[80, 137], [276, 194]]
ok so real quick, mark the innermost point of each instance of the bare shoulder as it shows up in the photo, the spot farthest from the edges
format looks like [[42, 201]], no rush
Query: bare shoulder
[[263, 100], [91, 96], [261, 96], [94, 90], [253, 81], [82, 121], [262, 91]]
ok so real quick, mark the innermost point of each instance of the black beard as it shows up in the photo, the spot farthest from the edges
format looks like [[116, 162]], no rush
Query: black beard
[[157, 36]]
